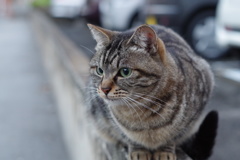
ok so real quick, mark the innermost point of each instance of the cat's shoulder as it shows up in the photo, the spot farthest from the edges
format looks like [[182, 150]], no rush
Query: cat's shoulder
[[167, 34]]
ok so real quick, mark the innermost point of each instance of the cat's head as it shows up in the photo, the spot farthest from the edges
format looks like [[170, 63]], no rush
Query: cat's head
[[127, 65]]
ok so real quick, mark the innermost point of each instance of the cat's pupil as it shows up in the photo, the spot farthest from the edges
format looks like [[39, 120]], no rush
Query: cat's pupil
[[99, 71]]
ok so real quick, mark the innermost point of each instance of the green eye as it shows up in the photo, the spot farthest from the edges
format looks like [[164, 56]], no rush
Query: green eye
[[99, 71], [125, 72]]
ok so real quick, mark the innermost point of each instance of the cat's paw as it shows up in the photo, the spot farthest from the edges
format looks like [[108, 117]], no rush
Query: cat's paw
[[164, 156], [140, 155]]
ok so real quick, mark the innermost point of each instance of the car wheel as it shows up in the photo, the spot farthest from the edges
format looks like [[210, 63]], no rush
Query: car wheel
[[201, 36]]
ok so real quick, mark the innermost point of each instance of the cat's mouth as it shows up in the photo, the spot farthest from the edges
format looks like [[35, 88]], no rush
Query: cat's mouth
[[113, 100], [110, 98]]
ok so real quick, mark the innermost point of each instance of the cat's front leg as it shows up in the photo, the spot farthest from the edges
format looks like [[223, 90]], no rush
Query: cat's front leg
[[165, 153], [139, 154], [160, 155]]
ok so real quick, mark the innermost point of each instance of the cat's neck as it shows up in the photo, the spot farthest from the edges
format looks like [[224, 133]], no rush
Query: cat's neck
[[137, 114]]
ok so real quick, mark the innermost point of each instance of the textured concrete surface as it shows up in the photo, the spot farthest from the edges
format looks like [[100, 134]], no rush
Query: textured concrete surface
[[29, 124]]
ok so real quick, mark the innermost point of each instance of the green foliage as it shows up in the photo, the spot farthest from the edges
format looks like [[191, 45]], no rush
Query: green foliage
[[41, 3]]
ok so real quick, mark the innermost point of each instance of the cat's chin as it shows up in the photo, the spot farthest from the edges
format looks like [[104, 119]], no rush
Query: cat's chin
[[114, 102]]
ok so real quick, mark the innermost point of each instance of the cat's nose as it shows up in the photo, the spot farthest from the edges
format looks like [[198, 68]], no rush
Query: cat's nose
[[106, 90]]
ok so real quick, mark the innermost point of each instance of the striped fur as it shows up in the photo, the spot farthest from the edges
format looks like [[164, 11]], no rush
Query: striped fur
[[160, 102]]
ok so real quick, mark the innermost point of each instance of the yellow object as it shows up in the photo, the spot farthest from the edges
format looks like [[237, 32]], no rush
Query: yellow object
[[151, 20]]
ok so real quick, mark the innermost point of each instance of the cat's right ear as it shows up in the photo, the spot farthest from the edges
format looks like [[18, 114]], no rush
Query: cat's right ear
[[101, 35], [146, 38]]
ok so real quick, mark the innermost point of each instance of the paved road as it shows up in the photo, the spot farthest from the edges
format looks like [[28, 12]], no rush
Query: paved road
[[226, 97], [29, 125], [226, 100]]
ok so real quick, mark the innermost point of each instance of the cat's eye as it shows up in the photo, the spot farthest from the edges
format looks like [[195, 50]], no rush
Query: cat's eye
[[99, 71], [125, 72]]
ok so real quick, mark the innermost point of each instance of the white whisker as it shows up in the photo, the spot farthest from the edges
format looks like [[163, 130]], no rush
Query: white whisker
[[87, 49], [150, 97], [90, 99], [141, 104], [156, 103], [135, 104], [130, 106]]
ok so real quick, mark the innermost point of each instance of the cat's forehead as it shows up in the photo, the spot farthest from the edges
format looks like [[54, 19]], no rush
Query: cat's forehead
[[113, 52], [118, 53]]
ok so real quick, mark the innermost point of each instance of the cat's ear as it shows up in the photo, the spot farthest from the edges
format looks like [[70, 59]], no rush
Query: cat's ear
[[146, 38], [101, 35]]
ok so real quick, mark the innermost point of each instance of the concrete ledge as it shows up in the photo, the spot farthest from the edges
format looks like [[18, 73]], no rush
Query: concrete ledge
[[68, 69]]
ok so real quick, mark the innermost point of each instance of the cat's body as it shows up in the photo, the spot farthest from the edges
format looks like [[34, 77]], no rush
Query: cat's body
[[151, 87]]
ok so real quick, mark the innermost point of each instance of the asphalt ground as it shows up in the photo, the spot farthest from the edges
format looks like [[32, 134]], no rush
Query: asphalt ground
[[29, 123], [225, 99]]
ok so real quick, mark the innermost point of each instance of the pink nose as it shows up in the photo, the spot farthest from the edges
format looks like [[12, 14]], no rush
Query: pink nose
[[106, 90]]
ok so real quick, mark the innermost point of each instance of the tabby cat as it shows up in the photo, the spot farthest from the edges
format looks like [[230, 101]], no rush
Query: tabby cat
[[149, 89]]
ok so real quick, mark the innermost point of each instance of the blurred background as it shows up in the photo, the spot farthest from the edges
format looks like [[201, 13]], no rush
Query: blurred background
[[29, 123]]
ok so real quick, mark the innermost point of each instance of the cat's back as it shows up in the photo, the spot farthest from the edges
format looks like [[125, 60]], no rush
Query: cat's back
[[173, 42], [186, 59]]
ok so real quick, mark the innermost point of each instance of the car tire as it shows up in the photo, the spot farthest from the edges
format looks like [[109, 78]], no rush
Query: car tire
[[201, 36]]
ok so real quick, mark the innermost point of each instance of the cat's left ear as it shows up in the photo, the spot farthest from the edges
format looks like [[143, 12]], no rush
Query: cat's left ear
[[101, 35], [146, 38]]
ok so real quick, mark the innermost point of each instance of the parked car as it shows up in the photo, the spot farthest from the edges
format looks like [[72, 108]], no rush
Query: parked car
[[66, 8], [120, 14], [228, 23], [194, 20]]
